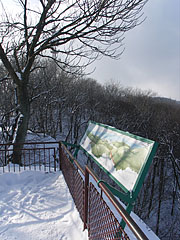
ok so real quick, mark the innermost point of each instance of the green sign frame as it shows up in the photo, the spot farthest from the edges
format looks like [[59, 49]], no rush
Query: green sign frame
[[99, 142], [125, 152]]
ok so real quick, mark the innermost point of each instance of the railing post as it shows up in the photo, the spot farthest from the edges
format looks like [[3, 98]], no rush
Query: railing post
[[5, 156], [60, 156], [128, 210], [3, 161], [86, 186], [54, 159]]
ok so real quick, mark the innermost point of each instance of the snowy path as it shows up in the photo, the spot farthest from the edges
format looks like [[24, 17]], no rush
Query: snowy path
[[37, 206]]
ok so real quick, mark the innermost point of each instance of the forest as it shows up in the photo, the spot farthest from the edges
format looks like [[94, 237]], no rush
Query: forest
[[45, 47], [61, 106]]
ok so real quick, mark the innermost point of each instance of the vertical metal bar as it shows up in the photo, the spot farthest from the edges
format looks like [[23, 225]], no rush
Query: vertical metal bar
[[60, 156], [34, 160], [128, 210], [24, 159], [8, 162], [49, 158], [14, 163], [20, 159], [39, 160], [5, 159], [86, 186], [44, 159], [19, 168], [54, 159], [29, 159], [2, 160]]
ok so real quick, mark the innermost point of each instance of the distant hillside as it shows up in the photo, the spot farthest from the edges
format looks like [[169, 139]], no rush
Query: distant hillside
[[166, 100]]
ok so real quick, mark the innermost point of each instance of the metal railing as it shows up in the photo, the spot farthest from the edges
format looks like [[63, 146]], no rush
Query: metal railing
[[94, 211], [34, 155], [73, 179], [120, 209]]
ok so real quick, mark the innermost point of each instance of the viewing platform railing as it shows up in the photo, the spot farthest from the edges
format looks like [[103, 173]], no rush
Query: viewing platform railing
[[34, 155], [97, 216], [90, 199]]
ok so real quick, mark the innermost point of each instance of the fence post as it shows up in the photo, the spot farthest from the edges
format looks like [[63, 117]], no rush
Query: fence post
[[86, 186], [5, 155], [60, 156], [54, 159]]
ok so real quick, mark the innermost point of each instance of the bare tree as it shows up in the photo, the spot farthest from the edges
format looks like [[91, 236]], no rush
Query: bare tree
[[78, 30]]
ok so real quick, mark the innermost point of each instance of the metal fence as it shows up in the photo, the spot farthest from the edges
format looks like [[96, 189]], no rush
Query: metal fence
[[73, 179], [35, 156], [94, 211], [97, 216], [102, 224]]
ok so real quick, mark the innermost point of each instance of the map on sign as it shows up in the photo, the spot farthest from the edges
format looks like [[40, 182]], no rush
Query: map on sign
[[120, 154]]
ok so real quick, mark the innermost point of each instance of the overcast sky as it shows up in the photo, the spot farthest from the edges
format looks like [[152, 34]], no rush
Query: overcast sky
[[152, 53], [151, 60]]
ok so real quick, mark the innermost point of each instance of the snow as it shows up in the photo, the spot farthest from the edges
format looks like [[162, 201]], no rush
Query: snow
[[39, 137], [19, 76], [37, 205]]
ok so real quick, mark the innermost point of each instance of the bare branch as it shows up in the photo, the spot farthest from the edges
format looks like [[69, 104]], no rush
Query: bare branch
[[8, 65], [42, 93], [5, 78], [94, 27]]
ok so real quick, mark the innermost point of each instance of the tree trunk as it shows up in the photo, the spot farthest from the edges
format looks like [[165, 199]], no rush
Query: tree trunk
[[161, 186], [22, 123]]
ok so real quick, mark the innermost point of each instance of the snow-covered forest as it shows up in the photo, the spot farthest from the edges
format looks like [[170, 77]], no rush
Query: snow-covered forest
[[62, 105], [45, 46]]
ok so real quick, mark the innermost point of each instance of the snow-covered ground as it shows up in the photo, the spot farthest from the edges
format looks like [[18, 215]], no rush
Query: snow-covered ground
[[36, 205]]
